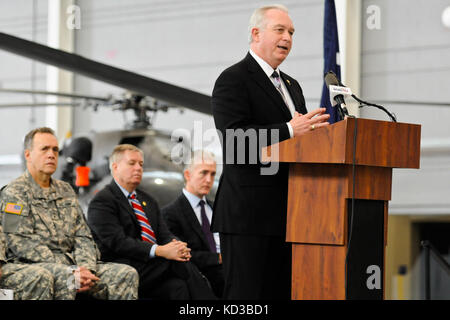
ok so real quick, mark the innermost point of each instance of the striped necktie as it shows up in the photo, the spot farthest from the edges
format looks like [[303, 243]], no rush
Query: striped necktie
[[147, 233], [277, 82]]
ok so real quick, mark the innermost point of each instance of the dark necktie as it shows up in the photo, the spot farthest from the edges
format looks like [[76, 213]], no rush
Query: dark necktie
[[207, 228]]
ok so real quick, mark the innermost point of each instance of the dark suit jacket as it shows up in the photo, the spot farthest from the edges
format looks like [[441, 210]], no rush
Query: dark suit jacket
[[116, 229], [246, 201], [183, 223]]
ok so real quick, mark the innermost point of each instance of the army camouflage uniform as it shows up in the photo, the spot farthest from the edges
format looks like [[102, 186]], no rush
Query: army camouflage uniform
[[47, 227], [29, 282]]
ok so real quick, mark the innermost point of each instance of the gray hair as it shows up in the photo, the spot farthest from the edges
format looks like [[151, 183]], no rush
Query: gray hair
[[258, 18], [199, 156], [28, 141], [118, 151]]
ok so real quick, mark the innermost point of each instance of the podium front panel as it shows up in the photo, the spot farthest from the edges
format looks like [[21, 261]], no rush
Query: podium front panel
[[317, 208]]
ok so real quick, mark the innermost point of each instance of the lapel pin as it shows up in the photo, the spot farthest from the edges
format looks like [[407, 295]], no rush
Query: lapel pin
[[287, 80], [144, 203]]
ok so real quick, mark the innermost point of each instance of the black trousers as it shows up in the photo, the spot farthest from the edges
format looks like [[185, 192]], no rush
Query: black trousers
[[216, 278], [256, 267], [164, 279]]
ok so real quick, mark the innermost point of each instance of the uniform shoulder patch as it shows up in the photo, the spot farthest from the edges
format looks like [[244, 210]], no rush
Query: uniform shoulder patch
[[13, 208]]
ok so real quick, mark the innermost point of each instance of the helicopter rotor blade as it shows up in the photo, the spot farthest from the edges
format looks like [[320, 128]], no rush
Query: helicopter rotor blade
[[44, 104], [53, 93], [106, 73]]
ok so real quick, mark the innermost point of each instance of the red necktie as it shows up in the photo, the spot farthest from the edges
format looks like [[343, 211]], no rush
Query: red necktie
[[147, 233]]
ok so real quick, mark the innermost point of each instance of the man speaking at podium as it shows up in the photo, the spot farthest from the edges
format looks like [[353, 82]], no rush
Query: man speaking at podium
[[253, 99]]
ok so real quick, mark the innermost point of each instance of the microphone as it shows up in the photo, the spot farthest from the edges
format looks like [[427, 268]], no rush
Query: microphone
[[331, 78], [332, 81], [337, 91], [337, 94]]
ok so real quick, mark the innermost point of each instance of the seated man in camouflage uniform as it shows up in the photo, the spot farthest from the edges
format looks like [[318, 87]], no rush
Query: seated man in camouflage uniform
[[29, 282], [44, 225]]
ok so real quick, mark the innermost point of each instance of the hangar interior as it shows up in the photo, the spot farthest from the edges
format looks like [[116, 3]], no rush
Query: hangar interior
[[392, 52]]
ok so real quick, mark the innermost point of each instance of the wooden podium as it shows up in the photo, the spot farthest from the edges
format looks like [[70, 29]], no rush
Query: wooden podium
[[327, 167]]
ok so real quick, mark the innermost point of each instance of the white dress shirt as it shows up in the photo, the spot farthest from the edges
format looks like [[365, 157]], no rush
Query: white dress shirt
[[268, 70]]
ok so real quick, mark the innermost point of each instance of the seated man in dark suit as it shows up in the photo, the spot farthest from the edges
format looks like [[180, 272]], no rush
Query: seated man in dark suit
[[189, 218], [128, 227]]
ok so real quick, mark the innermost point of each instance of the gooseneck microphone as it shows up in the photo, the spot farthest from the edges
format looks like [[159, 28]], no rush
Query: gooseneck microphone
[[337, 92]]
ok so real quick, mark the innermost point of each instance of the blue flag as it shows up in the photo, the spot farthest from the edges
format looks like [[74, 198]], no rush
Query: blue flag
[[330, 54]]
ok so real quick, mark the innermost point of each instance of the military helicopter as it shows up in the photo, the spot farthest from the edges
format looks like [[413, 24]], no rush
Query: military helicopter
[[163, 168]]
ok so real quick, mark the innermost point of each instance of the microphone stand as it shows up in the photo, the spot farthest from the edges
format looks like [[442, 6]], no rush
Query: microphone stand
[[341, 111], [363, 103]]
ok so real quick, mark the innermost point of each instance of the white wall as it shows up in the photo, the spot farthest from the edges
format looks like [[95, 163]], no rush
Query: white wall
[[26, 19], [16, 18], [187, 44], [407, 59]]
